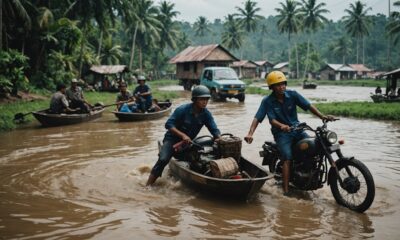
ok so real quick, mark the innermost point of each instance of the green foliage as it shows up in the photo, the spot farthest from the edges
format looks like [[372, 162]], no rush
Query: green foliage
[[380, 111], [12, 71]]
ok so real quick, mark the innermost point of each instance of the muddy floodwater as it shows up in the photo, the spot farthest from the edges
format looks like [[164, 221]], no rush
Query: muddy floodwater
[[86, 181]]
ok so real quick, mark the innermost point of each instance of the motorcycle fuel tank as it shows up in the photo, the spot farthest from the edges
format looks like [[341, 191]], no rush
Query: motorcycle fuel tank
[[305, 148]]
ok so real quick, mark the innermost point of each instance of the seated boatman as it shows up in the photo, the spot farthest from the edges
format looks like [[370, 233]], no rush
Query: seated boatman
[[125, 97], [59, 103], [184, 125], [143, 94], [76, 98], [280, 106]]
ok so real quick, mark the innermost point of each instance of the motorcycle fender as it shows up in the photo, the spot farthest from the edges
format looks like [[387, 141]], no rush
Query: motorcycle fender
[[332, 170]]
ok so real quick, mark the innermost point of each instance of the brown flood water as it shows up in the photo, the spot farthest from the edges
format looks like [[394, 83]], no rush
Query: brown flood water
[[86, 181]]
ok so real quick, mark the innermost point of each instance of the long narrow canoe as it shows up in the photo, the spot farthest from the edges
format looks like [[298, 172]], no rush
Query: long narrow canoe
[[135, 116], [243, 189], [51, 119]]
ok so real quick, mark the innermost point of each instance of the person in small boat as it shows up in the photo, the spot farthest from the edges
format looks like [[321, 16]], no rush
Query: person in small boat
[[154, 106], [142, 94], [59, 103], [378, 90], [125, 100], [280, 107], [184, 125], [76, 98]]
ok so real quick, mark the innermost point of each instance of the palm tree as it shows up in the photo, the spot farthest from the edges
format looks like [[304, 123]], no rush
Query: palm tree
[[232, 37], [99, 11], [169, 32], [13, 13], [393, 27], [143, 16], [264, 31], [248, 17], [357, 23], [289, 21], [341, 47], [313, 19], [201, 26]]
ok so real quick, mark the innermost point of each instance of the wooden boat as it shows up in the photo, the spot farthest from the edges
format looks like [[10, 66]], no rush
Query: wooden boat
[[241, 189], [309, 86], [379, 98], [166, 108], [51, 119]]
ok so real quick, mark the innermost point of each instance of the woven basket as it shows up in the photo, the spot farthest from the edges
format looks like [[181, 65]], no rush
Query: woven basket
[[224, 167], [230, 146]]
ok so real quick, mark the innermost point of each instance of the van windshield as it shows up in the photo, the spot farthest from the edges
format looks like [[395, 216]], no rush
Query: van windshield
[[225, 74]]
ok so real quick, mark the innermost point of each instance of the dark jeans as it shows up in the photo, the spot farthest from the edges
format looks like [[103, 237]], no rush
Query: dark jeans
[[144, 103], [165, 155], [84, 108], [285, 141]]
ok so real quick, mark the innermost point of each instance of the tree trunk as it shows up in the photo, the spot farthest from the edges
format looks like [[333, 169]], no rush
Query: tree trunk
[[81, 52], [297, 61], [357, 49], [306, 63], [1, 25], [140, 60], [363, 49], [100, 43], [133, 47], [289, 58]]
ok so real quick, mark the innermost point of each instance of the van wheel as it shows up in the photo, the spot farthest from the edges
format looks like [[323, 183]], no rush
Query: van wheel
[[214, 95], [241, 98]]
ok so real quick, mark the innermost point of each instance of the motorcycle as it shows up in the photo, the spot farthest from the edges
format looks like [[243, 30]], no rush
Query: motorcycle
[[350, 181]]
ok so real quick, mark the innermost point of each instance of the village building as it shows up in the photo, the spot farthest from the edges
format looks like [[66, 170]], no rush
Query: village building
[[245, 68], [263, 68], [337, 72], [192, 60], [108, 77], [362, 70], [283, 67]]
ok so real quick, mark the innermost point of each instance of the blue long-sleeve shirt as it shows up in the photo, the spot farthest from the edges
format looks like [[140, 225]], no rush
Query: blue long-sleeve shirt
[[184, 119], [285, 112]]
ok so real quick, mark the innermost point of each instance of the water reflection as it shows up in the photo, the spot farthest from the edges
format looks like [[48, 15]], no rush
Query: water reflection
[[165, 220]]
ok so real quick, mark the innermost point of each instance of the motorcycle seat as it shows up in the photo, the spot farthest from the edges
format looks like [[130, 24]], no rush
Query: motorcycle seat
[[272, 144]]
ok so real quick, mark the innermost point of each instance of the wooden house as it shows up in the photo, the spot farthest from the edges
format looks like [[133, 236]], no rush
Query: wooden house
[[192, 60], [283, 67], [263, 68], [245, 68], [362, 70], [337, 72]]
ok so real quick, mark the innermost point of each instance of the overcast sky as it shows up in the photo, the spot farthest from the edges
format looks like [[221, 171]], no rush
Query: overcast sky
[[190, 10]]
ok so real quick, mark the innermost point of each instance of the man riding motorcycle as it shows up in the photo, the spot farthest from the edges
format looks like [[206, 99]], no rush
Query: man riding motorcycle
[[280, 106]]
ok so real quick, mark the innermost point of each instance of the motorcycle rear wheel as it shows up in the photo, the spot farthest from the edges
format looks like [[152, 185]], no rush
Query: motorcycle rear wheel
[[358, 191]]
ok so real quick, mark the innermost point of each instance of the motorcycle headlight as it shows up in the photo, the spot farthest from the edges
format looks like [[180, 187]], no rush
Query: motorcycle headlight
[[331, 137]]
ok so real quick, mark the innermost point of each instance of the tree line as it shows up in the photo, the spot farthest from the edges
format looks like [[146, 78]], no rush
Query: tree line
[[44, 42]]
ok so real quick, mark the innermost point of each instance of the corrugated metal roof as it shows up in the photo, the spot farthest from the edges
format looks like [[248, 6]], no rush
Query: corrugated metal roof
[[392, 72], [360, 68], [281, 65], [108, 69], [261, 63], [341, 67], [244, 63], [197, 53]]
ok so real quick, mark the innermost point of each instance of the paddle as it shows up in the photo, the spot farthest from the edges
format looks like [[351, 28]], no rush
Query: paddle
[[19, 117]]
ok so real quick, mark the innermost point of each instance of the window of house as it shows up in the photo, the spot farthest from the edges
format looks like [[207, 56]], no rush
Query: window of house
[[186, 67]]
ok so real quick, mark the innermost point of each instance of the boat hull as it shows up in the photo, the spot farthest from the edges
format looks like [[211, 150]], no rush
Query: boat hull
[[52, 120], [243, 189]]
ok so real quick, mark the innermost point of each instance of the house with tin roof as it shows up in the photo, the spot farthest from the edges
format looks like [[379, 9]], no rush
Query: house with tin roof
[[362, 70], [245, 68], [263, 68], [337, 72], [193, 59]]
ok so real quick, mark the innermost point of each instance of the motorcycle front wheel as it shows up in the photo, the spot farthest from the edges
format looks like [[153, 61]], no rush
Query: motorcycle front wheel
[[358, 190]]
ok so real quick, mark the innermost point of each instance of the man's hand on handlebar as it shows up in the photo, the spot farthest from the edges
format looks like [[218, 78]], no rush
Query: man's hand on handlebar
[[329, 118]]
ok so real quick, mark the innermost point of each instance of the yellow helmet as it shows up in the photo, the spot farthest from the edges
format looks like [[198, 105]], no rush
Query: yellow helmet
[[275, 77]]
